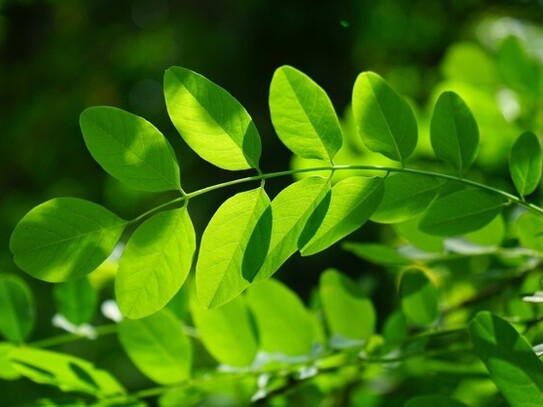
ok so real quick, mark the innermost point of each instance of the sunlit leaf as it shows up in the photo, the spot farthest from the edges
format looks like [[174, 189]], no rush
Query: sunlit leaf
[[492, 234], [76, 300], [224, 245], [406, 196], [303, 115], [434, 400], [526, 163], [529, 228], [284, 324], [509, 359], [155, 263], [65, 239], [226, 332], [349, 312], [7, 371], [410, 231], [418, 297], [377, 253], [461, 212], [158, 347], [211, 121], [352, 201], [385, 121], [130, 149], [68, 373], [17, 313], [290, 211]]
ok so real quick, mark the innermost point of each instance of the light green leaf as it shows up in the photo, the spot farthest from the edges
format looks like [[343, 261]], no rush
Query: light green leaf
[[17, 313], [529, 228], [434, 400], [518, 68], [68, 373], [385, 121], [453, 132], [410, 232], [220, 267], [492, 234], [7, 371], [406, 196], [461, 212], [155, 263], [130, 149], [303, 116], [76, 300], [226, 332], [158, 347], [526, 163], [290, 211], [352, 201], [509, 359], [349, 312], [377, 253], [65, 239], [211, 121], [418, 297], [284, 324]]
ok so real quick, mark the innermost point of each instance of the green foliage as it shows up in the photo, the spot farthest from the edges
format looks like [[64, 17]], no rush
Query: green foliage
[[451, 245]]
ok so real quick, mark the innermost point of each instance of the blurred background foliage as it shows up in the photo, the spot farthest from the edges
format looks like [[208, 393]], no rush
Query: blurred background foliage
[[58, 57]]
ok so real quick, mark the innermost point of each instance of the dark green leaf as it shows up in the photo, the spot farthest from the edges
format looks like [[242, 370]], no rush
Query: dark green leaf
[[461, 212], [155, 263], [17, 314], [130, 149], [385, 120], [65, 239], [526, 163], [509, 359], [418, 297], [76, 300], [303, 115], [211, 121]]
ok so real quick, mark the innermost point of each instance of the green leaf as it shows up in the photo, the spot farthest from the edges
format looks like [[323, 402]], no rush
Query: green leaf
[[410, 232], [518, 68], [155, 263], [385, 120], [453, 132], [526, 163], [418, 297], [7, 371], [65, 239], [76, 300], [219, 270], [158, 347], [303, 115], [68, 373], [492, 234], [290, 210], [284, 324], [529, 228], [226, 332], [434, 400], [130, 149], [352, 202], [461, 212], [509, 359], [406, 196], [377, 253], [211, 121], [17, 315], [348, 311]]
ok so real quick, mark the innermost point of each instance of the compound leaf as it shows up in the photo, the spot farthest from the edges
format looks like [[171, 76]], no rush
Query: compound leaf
[[418, 297], [352, 201], [226, 332], [211, 121], [512, 364], [303, 115], [130, 149], [17, 314], [406, 196], [284, 324], [65, 238], [158, 347], [76, 300], [155, 263], [453, 132], [461, 212], [385, 121], [225, 243], [348, 311], [68, 373], [526, 163]]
